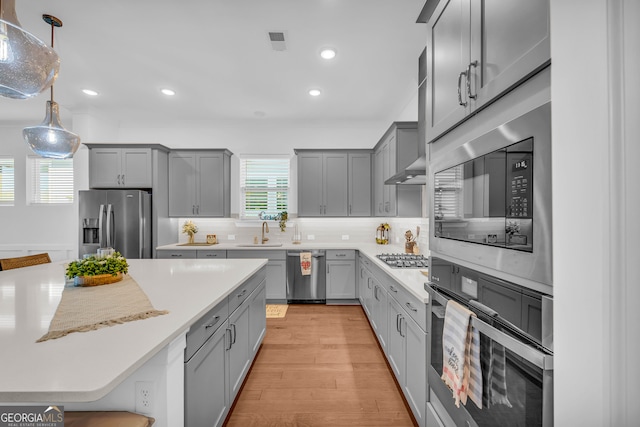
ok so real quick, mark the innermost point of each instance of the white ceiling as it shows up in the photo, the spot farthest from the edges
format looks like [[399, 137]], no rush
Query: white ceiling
[[217, 56]]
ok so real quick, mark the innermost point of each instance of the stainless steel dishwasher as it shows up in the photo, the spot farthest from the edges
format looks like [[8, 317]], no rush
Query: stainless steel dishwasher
[[307, 289]]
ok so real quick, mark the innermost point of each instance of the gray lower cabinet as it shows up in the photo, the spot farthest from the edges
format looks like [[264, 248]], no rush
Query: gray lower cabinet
[[379, 312], [199, 183], [341, 274], [276, 270], [365, 288], [206, 396], [220, 349]]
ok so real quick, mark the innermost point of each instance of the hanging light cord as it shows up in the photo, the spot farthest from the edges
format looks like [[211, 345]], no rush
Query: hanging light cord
[[54, 22]]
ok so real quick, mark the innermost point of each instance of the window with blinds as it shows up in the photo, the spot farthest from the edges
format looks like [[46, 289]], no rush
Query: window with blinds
[[448, 193], [7, 181], [264, 187], [50, 181]]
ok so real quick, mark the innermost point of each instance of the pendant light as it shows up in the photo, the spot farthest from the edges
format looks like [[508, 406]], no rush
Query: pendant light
[[27, 65], [49, 138]]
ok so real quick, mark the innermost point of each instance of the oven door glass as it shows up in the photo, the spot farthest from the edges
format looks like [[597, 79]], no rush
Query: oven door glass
[[517, 398]]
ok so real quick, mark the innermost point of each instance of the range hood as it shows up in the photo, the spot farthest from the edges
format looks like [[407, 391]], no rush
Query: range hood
[[415, 173]]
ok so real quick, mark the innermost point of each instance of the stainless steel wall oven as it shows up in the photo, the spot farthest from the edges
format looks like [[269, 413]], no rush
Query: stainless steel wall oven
[[517, 369]]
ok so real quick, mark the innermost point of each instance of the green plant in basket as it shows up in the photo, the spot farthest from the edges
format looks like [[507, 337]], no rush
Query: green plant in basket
[[93, 266]]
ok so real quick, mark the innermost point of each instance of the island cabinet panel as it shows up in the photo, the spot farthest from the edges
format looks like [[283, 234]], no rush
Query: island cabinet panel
[[276, 270], [239, 351], [478, 51], [199, 183], [365, 287], [207, 399], [114, 167]]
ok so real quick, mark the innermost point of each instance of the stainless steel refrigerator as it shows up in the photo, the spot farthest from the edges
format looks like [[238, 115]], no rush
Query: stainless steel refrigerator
[[120, 219]]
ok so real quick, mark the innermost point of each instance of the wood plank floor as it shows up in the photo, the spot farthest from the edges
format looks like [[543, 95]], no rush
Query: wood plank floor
[[320, 366]]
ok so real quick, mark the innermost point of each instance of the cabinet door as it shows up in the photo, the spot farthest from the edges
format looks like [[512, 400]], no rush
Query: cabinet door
[[104, 167], [182, 184], [360, 184], [396, 351], [257, 318], [206, 395], [390, 169], [415, 385], [310, 185], [239, 353], [509, 41], [136, 168], [378, 191], [276, 279], [380, 313], [341, 279], [448, 53], [335, 178], [210, 184]]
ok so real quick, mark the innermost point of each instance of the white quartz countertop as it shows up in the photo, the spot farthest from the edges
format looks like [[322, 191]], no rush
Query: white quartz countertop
[[411, 278], [83, 367]]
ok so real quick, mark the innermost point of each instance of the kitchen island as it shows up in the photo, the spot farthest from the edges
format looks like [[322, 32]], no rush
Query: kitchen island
[[101, 367]]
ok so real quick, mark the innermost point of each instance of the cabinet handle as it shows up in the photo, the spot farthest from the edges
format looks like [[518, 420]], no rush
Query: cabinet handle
[[176, 255], [341, 255], [401, 322], [328, 269], [123, 179], [398, 322], [210, 325], [234, 333], [241, 294], [463, 73], [411, 307], [229, 334], [369, 283], [118, 179], [193, 209], [471, 64], [350, 209], [392, 289]]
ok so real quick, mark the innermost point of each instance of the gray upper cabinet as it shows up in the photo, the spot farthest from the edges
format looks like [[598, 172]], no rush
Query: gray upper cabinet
[[360, 184], [199, 183], [477, 51], [117, 167], [396, 150], [334, 183]]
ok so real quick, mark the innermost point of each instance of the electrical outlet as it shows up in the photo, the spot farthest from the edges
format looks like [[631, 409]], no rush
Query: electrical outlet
[[311, 237], [345, 237], [144, 396], [231, 237]]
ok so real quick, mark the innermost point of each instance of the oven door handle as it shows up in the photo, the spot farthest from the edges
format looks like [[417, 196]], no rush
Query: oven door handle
[[539, 358]]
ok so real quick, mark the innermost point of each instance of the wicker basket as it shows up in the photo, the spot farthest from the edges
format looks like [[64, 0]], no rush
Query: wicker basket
[[100, 279]]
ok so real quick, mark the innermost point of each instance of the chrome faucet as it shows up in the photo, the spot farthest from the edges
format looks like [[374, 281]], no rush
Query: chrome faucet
[[264, 239]]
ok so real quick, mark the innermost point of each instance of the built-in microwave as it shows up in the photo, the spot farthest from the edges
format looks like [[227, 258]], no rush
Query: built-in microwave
[[491, 205]]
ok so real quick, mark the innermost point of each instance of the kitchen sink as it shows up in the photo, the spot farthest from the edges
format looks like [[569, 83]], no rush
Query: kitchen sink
[[259, 245]]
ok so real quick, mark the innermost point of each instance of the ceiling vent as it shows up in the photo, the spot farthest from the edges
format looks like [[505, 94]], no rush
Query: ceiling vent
[[277, 39]]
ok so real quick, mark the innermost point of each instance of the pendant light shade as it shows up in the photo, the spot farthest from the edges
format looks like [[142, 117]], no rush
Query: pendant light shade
[[27, 65], [50, 139]]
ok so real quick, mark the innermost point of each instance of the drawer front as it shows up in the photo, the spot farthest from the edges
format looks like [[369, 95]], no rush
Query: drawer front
[[258, 253], [414, 308], [212, 254], [338, 255], [241, 293], [205, 327], [175, 254]]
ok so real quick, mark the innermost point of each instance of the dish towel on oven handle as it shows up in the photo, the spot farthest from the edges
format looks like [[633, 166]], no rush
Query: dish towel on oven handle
[[461, 355], [305, 263]]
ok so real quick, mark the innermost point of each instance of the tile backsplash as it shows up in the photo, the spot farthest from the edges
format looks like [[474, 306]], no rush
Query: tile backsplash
[[321, 230]]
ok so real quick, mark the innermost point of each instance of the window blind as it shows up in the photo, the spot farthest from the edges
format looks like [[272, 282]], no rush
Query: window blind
[[264, 184], [7, 181], [51, 181]]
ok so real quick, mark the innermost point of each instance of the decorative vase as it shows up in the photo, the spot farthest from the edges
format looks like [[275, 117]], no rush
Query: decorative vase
[[191, 237]]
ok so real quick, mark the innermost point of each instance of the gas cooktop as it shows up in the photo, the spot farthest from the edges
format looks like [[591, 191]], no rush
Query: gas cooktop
[[405, 260]]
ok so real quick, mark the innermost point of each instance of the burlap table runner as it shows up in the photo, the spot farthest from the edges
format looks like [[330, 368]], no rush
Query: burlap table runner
[[83, 309]]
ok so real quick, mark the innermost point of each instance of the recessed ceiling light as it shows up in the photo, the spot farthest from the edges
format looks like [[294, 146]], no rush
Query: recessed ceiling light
[[328, 53], [314, 92], [89, 92], [168, 92]]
